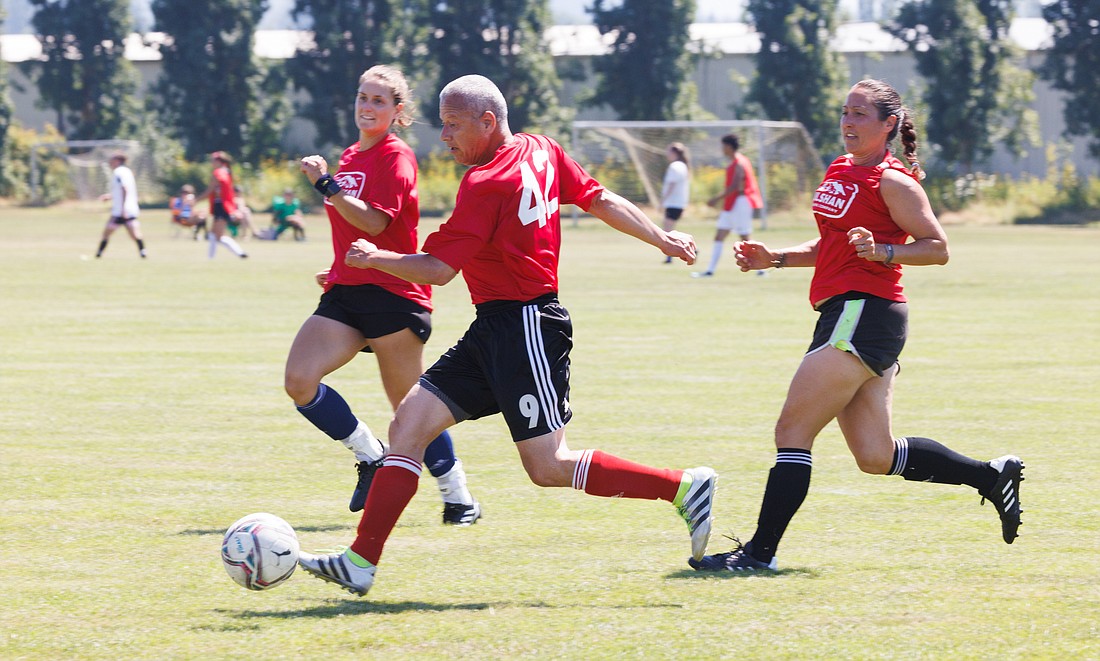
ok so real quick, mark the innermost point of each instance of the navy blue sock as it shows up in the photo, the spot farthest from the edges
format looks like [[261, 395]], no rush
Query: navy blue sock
[[924, 460], [439, 456], [788, 484], [330, 413]]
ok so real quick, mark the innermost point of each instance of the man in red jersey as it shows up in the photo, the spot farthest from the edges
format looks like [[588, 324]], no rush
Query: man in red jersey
[[505, 237]]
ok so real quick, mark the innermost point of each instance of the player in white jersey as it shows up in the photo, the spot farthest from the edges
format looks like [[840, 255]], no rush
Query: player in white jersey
[[124, 205]]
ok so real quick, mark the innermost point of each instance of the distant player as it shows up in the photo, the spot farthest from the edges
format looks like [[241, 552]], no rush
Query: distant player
[[124, 205], [738, 201]]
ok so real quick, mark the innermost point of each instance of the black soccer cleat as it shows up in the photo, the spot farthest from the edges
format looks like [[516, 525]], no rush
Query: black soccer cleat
[[366, 470], [740, 558], [1005, 494], [461, 515]]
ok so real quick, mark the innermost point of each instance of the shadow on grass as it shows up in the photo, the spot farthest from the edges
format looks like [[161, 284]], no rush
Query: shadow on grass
[[726, 575], [353, 606]]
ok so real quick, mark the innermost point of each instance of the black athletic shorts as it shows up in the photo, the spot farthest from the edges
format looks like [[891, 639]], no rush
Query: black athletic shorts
[[514, 359], [220, 213], [872, 329], [119, 220], [374, 312], [672, 213]]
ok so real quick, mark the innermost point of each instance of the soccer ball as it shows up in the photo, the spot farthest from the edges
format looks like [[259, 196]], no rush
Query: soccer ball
[[260, 551]]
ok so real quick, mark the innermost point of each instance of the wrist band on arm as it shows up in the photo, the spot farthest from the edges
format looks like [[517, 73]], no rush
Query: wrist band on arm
[[327, 186], [780, 261], [889, 254]]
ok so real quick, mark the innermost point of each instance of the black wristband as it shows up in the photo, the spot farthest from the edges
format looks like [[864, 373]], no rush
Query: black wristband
[[327, 186]]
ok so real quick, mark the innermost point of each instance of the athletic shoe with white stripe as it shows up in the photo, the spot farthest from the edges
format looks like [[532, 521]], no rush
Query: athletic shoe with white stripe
[[460, 514], [694, 507], [339, 569], [740, 558], [1005, 494]]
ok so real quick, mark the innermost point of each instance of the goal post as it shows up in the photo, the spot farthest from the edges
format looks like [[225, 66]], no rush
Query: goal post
[[629, 157], [86, 163]]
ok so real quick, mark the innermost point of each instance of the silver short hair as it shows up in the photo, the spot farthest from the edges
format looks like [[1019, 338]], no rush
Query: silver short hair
[[476, 94]]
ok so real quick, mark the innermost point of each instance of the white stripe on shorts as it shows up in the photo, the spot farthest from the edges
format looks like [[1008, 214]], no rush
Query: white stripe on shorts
[[540, 367]]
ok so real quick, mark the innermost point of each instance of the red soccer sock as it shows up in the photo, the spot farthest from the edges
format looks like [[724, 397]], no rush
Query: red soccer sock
[[601, 474], [393, 487]]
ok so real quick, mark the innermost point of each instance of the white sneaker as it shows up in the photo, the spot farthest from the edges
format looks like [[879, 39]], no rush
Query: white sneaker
[[339, 569], [694, 506]]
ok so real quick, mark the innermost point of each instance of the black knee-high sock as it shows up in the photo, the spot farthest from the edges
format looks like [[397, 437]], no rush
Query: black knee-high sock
[[141, 245], [924, 460], [788, 483], [102, 247]]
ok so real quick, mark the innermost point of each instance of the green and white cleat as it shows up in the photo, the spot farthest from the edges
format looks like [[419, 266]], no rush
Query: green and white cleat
[[343, 569], [694, 502]]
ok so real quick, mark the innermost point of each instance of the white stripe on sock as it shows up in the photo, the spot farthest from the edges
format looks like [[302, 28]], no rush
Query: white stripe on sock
[[580, 471]]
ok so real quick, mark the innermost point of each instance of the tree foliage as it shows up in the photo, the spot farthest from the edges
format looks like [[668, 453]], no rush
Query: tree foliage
[[84, 76], [798, 76], [5, 121], [645, 75], [975, 95], [503, 41], [213, 93], [1073, 64], [349, 36]]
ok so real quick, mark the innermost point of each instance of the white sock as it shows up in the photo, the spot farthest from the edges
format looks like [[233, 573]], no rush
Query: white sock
[[715, 256], [364, 444], [232, 245], [213, 241], [452, 485]]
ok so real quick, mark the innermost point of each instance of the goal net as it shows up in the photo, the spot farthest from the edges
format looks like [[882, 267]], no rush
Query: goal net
[[629, 158], [86, 163]]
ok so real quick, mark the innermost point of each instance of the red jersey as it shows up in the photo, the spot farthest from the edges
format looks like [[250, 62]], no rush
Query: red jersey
[[222, 191], [849, 197], [505, 231], [751, 190], [384, 177]]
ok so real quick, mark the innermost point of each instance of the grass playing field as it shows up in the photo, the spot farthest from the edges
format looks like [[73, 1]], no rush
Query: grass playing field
[[143, 412]]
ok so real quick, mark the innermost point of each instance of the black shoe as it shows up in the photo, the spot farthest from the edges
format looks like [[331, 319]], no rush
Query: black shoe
[[458, 514], [1005, 494], [738, 559], [366, 471]]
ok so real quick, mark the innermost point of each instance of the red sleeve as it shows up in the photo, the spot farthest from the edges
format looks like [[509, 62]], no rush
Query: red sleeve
[[577, 186], [467, 231], [388, 194]]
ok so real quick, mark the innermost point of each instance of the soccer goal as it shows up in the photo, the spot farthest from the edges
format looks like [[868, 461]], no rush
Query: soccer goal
[[629, 158], [86, 163]]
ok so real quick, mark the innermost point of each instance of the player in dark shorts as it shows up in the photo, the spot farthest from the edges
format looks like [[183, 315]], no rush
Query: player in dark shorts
[[369, 310], [504, 235], [867, 208]]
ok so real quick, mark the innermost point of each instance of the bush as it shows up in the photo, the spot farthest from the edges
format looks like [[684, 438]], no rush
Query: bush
[[438, 182], [53, 184]]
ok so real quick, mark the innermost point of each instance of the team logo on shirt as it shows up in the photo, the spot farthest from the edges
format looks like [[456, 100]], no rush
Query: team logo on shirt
[[351, 182], [833, 198]]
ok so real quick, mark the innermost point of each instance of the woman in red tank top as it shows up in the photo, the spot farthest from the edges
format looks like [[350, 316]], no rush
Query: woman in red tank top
[[872, 216]]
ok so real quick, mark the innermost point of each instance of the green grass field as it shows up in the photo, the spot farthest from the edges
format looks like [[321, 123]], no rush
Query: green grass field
[[143, 412]]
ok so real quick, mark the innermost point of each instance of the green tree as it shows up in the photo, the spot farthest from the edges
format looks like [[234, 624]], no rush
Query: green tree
[[645, 75], [349, 36], [503, 41], [211, 92], [1073, 65], [976, 96], [798, 76], [84, 76], [5, 121]]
